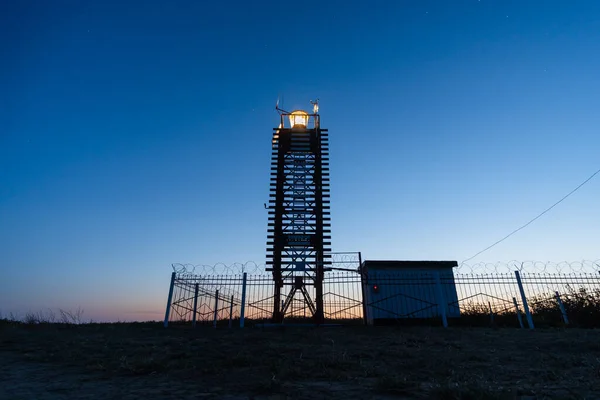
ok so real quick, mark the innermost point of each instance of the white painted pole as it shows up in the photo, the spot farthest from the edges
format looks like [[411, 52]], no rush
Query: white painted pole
[[440, 298], [518, 312], [230, 312], [169, 299], [562, 308], [524, 299], [195, 305], [216, 309], [243, 307]]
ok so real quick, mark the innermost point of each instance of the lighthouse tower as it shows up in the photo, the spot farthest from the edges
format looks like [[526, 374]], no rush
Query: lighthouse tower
[[299, 229]]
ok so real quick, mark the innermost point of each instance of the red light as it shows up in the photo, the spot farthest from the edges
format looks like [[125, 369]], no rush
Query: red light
[[375, 288]]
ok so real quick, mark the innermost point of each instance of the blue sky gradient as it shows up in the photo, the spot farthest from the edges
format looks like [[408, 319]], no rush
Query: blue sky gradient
[[137, 134]]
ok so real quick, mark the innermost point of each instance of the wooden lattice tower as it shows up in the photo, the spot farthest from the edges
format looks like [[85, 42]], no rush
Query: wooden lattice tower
[[299, 216]]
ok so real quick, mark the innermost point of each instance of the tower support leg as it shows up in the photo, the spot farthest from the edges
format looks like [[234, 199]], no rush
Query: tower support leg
[[277, 315]]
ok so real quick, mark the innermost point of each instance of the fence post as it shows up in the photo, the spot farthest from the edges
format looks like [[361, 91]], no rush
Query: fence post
[[169, 299], [230, 312], [216, 308], [363, 284], [524, 299], [196, 287], [518, 312], [243, 307], [562, 308], [491, 314], [440, 297]]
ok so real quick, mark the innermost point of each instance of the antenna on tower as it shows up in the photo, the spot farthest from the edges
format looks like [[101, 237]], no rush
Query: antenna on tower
[[279, 109], [315, 106]]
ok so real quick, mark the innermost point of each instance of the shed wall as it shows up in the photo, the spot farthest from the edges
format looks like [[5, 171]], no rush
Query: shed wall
[[409, 293]]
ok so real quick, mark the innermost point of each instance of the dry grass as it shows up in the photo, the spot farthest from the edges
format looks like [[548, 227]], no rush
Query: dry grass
[[346, 362]]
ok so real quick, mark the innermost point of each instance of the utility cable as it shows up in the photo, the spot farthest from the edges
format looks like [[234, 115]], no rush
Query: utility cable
[[531, 221]]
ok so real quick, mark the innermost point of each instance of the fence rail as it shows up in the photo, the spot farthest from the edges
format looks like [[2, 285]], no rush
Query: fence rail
[[515, 298]]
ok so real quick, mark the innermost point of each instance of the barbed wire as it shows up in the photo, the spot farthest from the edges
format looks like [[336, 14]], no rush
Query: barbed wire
[[346, 260], [250, 267], [351, 261], [533, 267]]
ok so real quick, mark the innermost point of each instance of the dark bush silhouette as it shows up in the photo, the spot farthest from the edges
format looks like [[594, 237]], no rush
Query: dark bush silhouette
[[582, 307]]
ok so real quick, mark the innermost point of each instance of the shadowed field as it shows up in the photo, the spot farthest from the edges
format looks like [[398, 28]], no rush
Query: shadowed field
[[144, 360]]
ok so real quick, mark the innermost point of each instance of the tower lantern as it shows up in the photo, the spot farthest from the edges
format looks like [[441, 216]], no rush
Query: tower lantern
[[299, 119], [299, 233]]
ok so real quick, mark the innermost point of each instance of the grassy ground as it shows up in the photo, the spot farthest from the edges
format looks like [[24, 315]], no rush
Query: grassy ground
[[127, 361]]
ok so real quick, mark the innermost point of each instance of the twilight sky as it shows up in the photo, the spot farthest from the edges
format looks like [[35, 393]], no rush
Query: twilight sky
[[137, 134]]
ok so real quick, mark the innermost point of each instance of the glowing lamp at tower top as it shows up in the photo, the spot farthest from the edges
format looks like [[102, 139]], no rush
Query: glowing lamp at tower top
[[299, 119]]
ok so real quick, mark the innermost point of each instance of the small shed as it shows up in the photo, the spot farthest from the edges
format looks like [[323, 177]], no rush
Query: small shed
[[403, 290]]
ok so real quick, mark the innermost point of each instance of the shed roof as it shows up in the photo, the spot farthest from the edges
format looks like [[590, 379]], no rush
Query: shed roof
[[390, 264]]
